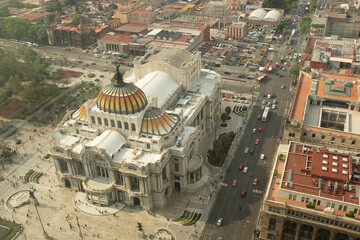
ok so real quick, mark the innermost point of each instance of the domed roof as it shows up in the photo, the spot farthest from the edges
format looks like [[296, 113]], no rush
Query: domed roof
[[157, 122], [121, 97], [80, 114]]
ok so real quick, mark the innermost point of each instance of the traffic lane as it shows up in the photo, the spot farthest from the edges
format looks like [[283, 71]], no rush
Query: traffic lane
[[238, 86]]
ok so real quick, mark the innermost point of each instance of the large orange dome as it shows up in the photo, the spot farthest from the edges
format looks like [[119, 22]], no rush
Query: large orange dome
[[121, 97], [157, 122]]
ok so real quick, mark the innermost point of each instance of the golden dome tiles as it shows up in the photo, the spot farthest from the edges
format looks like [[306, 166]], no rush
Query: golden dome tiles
[[157, 122]]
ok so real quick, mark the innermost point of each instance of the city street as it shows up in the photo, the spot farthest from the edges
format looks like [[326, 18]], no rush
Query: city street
[[240, 213]]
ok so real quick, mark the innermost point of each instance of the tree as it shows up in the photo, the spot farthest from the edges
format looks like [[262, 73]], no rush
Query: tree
[[228, 110], [223, 117], [4, 11], [5, 152], [313, 4], [305, 23], [218, 148], [14, 27], [113, 6], [100, 7], [295, 71], [76, 19], [281, 26], [350, 214]]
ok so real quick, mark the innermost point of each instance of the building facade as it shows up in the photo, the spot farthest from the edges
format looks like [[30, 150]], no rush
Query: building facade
[[312, 196], [236, 31], [137, 142]]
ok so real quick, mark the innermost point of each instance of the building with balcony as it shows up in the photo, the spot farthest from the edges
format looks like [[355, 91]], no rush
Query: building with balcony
[[138, 141], [325, 111], [313, 195], [236, 31]]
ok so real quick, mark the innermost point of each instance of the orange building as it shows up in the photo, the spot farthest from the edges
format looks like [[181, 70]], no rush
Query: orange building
[[236, 30]]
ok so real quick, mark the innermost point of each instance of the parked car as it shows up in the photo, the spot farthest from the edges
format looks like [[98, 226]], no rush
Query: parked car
[[255, 182], [262, 156], [252, 151], [257, 141], [254, 130], [245, 169], [260, 129], [246, 150], [227, 73], [283, 86], [219, 221]]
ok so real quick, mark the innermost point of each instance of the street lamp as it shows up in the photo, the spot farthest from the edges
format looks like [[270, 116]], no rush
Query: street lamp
[[36, 203]]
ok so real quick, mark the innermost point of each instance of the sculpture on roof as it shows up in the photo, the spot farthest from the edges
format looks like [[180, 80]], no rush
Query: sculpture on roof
[[119, 77]]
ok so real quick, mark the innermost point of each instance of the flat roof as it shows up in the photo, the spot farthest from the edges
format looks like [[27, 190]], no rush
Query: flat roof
[[315, 171], [132, 28], [121, 37]]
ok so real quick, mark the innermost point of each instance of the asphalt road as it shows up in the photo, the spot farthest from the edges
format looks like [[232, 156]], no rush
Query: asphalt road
[[239, 224]]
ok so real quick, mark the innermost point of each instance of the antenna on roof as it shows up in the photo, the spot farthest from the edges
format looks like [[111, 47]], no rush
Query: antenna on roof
[[119, 77]]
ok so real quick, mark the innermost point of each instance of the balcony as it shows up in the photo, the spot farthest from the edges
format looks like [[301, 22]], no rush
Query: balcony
[[195, 163]]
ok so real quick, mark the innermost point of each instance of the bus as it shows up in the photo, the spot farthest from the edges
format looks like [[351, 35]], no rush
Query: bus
[[265, 114], [295, 57]]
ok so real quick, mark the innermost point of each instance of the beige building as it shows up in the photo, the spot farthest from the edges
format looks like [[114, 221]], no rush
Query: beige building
[[325, 111], [236, 31], [313, 195], [137, 142]]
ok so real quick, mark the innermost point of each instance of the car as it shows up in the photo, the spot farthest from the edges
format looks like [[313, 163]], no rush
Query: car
[[219, 221], [242, 98], [101, 76], [269, 104], [274, 102], [269, 96], [246, 150], [262, 156], [245, 169], [227, 73], [243, 193], [93, 63], [257, 141], [252, 151], [234, 182], [264, 102], [280, 75], [263, 107], [97, 80], [241, 166], [273, 106], [283, 86], [254, 130], [259, 117], [260, 129], [255, 182], [288, 65], [272, 95], [234, 75]]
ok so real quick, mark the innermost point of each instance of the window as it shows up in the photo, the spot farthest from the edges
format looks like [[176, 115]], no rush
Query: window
[[126, 125], [119, 124], [106, 122], [270, 236], [303, 199], [323, 137], [294, 197], [176, 166], [355, 210], [93, 119], [133, 128], [112, 123], [332, 138], [177, 178], [340, 207], [318, 202], [307, 200], [333, 205], [313, 135], [345, 208], [290, 196], [343, 140], [272, 224], [327, 204], [148, 145], [99, 121], [304, 134], [353, 142]]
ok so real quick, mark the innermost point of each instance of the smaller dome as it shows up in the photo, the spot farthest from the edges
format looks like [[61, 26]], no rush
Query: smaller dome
[[80, 114], [158, 122]]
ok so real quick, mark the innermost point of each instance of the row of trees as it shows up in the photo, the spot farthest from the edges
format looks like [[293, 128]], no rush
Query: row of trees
[[305, 23], [221, 147], [283, 4], [22, 29]]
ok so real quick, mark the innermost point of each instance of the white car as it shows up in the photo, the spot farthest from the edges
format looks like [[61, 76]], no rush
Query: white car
[[219, 221], [245, 169], [254, 130], [262, 156], [273, 106]]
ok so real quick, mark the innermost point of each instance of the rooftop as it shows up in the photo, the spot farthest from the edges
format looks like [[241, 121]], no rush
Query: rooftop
[[313, 171], [131, 28]]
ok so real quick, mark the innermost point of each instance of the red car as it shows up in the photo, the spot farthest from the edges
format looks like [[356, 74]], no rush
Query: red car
[[260, 129], [243, 193], [234, 183], [257, 141], [241, 166], [93, 63], [283, 86]]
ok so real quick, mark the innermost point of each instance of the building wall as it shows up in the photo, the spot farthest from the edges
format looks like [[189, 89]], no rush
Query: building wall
[[278, 222], [342, 28], [141, 18], [235, 31]]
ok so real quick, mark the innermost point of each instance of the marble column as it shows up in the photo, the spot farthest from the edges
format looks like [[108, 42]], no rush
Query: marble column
[[298, 228], [86, 167], [127, 184], [314, 233], [57, 165], [112, 176]]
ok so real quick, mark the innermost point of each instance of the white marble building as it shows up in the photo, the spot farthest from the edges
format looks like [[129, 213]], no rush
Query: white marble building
[[138, 141]]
